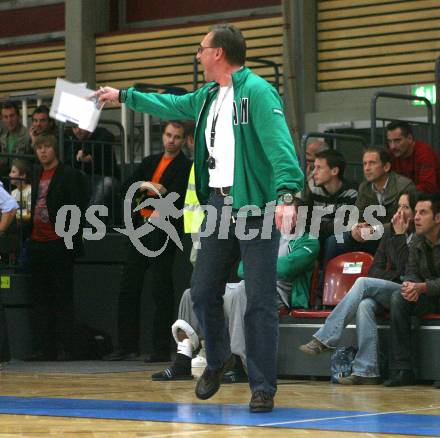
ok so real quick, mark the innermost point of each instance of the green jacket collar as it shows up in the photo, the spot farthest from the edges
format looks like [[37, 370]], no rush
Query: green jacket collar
[[238, 77]]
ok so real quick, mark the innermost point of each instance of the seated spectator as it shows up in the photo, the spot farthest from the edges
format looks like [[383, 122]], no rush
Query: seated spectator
[[20, 177], [420, 290], [330, 189], [41, 123], [311, 149], [14, 138], [187, 334], [413, 158], [19, 174], [295, 265], [382, 187], [368, 297]]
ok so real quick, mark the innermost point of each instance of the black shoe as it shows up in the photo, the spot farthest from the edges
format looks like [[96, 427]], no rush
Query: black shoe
[[209, 382], [261, 401], [121, 355], [157, 357], [172, 373], [401, 378]]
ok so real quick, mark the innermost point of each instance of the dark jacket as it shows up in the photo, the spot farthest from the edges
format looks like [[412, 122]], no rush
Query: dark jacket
[[174, 179], [67, 187], [99, 146], [391, 257], [424, 265], [397, 184]]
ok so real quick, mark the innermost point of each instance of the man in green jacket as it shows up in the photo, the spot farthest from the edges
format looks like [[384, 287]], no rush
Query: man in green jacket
[[245, 163]]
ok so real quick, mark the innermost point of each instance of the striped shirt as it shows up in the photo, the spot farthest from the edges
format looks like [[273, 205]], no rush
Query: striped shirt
[[319, 197]]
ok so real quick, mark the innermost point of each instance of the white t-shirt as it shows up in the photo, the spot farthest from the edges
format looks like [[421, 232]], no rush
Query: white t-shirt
[[24, 200], [224, 144]]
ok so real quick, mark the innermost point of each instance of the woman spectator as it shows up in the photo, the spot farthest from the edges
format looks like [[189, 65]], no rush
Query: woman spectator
[[368, 297]]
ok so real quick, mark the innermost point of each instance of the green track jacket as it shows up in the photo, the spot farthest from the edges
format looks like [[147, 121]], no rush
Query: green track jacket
[[297, 267], [265, 161]]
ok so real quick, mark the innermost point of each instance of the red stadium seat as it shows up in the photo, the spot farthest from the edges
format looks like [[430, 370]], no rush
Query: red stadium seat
[[341, 273], [314, 285], [430, 316]]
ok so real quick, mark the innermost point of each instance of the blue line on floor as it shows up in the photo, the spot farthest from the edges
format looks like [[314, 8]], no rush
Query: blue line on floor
[[225, 414]]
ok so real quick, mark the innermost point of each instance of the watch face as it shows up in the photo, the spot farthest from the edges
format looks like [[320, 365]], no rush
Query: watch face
[[288, 198]]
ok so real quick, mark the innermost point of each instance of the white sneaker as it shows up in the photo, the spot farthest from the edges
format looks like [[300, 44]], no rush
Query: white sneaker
[[198, 362], [198, 365]]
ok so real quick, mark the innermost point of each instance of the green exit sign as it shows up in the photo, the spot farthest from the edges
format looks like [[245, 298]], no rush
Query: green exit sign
[[427, 91]]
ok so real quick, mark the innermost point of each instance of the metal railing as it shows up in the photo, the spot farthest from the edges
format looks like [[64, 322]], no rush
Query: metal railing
[[374, 118], [103, 170], [269, 63], [333, 140], [144, 137]]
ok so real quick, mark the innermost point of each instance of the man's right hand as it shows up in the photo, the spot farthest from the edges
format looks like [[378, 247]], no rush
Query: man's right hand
[[356, 232], [107, 94], [361, 232], [85, 158]]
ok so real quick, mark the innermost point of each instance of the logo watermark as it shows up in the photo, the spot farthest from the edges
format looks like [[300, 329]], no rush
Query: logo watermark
[[163, 210]]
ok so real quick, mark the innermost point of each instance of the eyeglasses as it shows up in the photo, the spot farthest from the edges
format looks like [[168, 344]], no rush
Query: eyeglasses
[[200, 49]]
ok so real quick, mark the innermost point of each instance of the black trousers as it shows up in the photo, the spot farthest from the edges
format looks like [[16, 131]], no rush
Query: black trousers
[[135, 267], [51, 266], [401, 311]]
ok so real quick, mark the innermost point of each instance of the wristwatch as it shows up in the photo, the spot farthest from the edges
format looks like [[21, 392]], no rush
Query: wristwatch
[[286, 199]]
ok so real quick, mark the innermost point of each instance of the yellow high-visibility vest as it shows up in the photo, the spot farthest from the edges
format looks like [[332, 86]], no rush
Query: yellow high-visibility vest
[[192, 213]]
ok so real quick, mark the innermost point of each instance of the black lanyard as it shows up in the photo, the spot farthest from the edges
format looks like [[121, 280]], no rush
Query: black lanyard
[[211, 159]]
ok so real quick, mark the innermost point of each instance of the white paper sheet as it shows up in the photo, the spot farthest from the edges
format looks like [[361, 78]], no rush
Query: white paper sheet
[[72, 103]]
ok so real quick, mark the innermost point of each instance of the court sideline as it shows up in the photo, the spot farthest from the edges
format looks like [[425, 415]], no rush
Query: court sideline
[[129, 404]]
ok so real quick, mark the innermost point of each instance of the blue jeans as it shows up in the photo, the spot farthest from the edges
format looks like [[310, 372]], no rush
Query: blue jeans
[[211, 272], [366, 298]]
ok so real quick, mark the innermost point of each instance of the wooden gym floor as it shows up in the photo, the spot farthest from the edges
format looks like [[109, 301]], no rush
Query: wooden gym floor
[[129, 404]]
